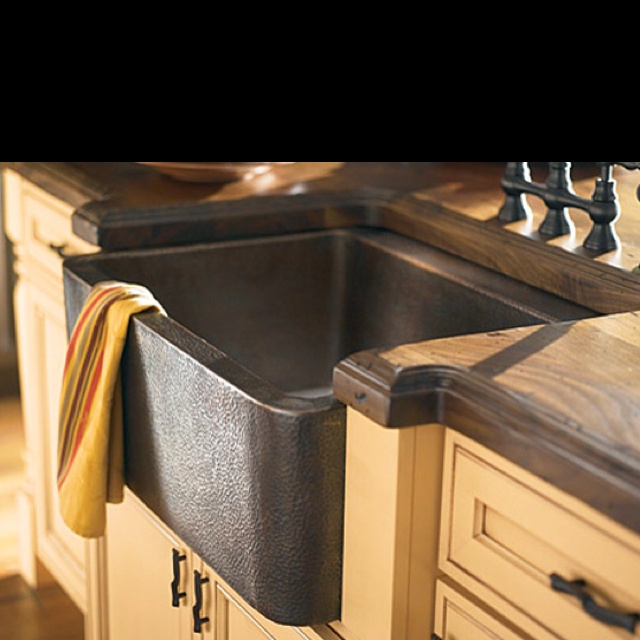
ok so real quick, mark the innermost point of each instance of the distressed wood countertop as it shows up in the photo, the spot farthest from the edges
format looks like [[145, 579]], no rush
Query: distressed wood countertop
[[126, 205], [450, 205], [562, 400]]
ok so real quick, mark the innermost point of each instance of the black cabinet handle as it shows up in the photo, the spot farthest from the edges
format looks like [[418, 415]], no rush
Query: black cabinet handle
[[198, 621], [62, 250], [177, 595], [578, 589]]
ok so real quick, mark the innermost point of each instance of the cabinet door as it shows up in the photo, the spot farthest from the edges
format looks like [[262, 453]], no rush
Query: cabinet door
[[141, 573], [140, 564], [235, 621], [457, 618], [203, 610], [39, 225], [42, 340]]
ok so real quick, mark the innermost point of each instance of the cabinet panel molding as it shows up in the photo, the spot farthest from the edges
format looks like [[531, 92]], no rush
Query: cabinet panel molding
[[505, 532], [140, 585], [39, 225], [140, 573], [458, 618]]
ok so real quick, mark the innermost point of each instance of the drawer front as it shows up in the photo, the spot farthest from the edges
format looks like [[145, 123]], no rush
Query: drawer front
[[457, 618], [48, 236], [237, 622], [505, 533], [40, 225]]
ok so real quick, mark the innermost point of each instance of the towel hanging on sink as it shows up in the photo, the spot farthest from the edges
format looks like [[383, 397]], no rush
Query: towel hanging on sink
[[90, 446]]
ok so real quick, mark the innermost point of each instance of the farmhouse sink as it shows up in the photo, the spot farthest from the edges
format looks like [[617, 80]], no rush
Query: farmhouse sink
[[232, 434]]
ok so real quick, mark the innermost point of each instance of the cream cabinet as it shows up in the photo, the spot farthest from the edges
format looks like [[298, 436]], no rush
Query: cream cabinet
[[39, 227], [549, 563], [457, 617], [149, 593], [391, 529], [158, 588], [444, 537]]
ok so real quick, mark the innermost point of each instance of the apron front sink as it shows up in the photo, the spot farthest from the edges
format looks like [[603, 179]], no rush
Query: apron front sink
[[232, 434]]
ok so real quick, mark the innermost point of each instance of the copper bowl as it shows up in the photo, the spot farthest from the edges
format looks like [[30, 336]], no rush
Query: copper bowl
[[213, 171]]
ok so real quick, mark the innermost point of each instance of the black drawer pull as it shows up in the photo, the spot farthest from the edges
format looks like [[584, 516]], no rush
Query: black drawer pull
[[578, 589], [60, 249], [176, 594], [198, 621]]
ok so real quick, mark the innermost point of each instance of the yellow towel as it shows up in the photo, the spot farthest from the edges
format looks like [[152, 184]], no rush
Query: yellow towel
[[90, 447]]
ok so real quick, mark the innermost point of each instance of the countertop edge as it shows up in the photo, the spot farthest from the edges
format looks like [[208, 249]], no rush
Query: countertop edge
[[543, 442], [61, 180], [116, 228]]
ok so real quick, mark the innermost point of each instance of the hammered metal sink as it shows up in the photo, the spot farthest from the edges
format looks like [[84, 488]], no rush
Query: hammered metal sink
[[232, 434]]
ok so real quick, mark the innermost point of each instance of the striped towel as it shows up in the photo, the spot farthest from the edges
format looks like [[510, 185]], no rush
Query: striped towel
[[90, 446]]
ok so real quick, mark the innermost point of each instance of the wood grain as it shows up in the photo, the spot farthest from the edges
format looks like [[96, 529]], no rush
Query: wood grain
[[587, 373], [46, 613], [560, 400], [11, 476], [43, 614]]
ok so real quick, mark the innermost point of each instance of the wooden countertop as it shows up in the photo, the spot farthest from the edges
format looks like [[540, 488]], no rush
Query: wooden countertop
[[128, 205], [450, 205], [561, 400]]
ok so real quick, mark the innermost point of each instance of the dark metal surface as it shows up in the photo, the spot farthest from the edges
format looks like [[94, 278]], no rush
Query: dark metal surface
[[558, 195], [579, 589], [289, 308], [232, 434]]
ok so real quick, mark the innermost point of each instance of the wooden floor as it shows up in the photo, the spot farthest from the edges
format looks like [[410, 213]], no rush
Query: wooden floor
[[11, 475], [25, 613]]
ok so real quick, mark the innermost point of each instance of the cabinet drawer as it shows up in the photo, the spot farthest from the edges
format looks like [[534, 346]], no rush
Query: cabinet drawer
[[47, 231], [457, 618], [505, 532], [41, 224]]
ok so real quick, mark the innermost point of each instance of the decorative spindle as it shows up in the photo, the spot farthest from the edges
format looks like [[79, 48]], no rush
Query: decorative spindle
[[557, 221], [604, 210], [558, 195], [515, 206]]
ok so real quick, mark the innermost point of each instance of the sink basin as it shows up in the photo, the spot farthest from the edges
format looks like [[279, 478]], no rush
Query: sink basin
[[232, 434]]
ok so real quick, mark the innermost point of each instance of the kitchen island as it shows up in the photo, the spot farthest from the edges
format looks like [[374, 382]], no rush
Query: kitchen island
[[556, 401]]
